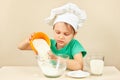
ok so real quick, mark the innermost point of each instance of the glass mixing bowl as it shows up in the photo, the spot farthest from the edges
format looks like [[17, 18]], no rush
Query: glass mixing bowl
[[53, 67]]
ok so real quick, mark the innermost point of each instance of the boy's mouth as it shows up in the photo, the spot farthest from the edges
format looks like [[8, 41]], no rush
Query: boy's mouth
[[60, 41]]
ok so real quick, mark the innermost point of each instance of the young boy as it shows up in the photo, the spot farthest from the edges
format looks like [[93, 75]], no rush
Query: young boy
[[65, 21]]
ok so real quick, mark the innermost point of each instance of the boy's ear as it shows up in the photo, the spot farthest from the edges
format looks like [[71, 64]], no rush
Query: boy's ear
[[75, 33]]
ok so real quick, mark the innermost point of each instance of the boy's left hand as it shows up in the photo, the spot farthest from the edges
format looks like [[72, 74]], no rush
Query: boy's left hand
[[51, 55]]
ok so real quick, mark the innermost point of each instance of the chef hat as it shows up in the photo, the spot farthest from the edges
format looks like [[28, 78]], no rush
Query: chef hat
[[69, 13]]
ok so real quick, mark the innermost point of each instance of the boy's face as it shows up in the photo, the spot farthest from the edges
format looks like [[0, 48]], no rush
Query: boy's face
[[63, 33]]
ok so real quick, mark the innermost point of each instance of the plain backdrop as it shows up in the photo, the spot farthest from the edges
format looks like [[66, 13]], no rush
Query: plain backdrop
[[99, 35]]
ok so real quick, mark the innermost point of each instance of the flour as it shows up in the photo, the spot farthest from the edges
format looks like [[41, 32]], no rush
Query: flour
[[44, 62], [50, 69], [42, 48]]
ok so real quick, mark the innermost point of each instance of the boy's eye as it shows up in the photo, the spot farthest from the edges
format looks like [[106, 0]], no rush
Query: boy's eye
[[57, 32], [66, 34]]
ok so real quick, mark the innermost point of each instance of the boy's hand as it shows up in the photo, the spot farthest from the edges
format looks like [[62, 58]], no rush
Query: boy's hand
[[30, 37], [51, 55]]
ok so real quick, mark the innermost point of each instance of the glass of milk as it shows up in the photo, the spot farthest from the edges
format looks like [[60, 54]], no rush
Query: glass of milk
[[96, 64]]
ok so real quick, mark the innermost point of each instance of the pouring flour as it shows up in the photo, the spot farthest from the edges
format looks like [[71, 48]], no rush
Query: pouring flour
[[40, 43], [42, 48]]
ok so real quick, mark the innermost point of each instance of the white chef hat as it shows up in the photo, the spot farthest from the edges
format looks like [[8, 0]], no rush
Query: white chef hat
[[69, 13]]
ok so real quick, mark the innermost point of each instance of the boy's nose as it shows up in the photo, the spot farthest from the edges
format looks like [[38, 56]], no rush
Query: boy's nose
[[61, 37]]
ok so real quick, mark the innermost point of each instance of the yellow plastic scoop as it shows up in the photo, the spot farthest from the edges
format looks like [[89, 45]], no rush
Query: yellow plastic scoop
[[42, 42]]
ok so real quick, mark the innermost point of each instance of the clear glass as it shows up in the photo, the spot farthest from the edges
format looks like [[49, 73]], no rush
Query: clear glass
[[53, 68], [96, 64]]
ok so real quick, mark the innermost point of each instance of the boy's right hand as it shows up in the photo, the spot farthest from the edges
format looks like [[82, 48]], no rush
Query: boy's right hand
[[25, 45], [30, 37]]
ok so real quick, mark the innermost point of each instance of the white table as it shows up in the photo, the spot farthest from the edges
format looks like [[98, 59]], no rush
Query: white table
[[34, 73]]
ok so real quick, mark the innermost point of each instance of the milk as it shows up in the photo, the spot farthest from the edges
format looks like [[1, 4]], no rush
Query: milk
[[42, 48], [96, 66]]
